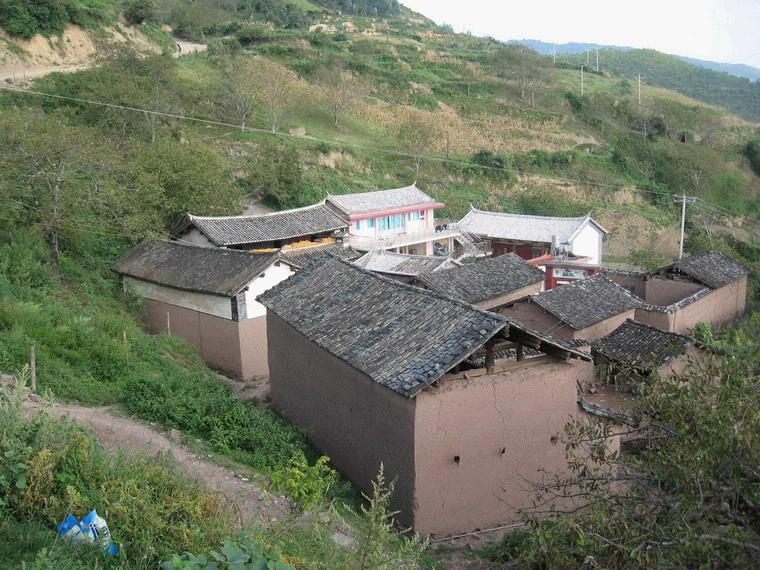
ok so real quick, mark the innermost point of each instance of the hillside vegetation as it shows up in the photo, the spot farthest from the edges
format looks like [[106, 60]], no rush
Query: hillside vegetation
[[294, 100]]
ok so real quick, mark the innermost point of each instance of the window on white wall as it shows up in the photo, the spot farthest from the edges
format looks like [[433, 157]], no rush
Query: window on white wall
[[413, 216], [422, 215], [391, 223], [371, 223]]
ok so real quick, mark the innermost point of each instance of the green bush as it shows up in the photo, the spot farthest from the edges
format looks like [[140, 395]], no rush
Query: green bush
[[28, 17], [306, 485], [240, 554], [140, 11], [50, 467], [752, 152]]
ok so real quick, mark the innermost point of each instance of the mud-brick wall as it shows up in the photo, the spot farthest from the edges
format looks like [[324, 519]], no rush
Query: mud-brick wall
[[236, 347], [533, 316], [347, 416], [481, 442]]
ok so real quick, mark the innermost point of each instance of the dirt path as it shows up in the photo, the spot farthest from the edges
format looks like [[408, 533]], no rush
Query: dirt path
[[185, 47], [135, 438], [25, 74]]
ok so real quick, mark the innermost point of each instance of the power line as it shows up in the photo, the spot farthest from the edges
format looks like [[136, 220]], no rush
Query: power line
[[432, 158]]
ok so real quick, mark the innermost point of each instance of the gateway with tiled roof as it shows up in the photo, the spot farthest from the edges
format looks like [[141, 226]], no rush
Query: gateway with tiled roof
[[642, 347], [266, 230], [404, 265], [532, 236], [488, 283]]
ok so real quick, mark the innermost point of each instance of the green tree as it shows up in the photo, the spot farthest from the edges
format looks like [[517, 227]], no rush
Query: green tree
[[140, 11], [277, 173]]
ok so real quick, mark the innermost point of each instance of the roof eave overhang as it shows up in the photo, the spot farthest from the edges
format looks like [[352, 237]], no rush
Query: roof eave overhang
[[365, 214]]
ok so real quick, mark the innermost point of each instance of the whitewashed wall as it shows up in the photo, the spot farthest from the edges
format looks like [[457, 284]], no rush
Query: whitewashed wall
[[196, 237], [216, 305], [271, 277], [588, 243]]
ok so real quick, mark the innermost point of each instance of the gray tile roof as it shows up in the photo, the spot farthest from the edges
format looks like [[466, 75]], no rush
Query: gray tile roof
[[484, 280], [193, 268], [712, 268], [402, 337], [586, 302], [303, 255], [641, 346], [501, 225], [288, 224], [381, 261], [363, 202]]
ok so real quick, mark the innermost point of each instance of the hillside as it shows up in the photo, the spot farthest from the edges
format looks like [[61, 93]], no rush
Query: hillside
[[547, 48], [292, 99]]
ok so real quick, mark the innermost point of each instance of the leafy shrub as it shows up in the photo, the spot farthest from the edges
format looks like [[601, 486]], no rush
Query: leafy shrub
[[140, 11], [752, 152], [50, 466], [490, 159], [305, 484], [703, 333], [324, 147], [26, 18], [340, 37], [540, 201], [240, 554]]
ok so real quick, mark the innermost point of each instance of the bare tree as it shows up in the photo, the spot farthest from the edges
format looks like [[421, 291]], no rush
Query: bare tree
[[278, 90], [522, 65], [416, 137], [240, 85], [341, 91]]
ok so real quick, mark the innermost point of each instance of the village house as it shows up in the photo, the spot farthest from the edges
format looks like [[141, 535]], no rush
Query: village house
[[635, 352], [287, 229], [380, 372], [587, 309], [209, 297], [404, 267], [709, 287], [567, 249], [488, 284], [400, 219]]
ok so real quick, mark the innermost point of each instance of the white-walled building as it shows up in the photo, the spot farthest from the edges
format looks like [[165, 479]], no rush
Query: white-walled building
[[533, 236], [400, 219]]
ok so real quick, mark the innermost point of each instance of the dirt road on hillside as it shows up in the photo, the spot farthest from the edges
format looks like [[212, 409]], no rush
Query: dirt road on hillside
[[134, 438]]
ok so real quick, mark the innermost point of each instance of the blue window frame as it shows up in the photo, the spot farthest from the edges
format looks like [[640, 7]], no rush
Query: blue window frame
[[371, 223], [390, 223], [413, 216]]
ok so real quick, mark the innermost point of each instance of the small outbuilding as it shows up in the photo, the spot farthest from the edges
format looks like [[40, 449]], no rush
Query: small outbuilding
[[635, 352], [587, 309], [207, 296], [380, 372], [709, 287], [488, 284]]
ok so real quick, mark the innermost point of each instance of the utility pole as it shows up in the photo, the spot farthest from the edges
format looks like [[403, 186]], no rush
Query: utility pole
[[582, 86], [639, 93], [554, 54], [684, 200], [597, 60], [588, 51]]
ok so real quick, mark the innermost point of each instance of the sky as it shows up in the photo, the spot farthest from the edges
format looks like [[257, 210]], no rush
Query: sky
[[718, 30]]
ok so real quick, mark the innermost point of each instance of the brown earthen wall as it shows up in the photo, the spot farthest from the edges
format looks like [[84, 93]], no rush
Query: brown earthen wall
[[634, 283], [500, 426], [238, 348], [347, 416], [717, 308], [511, 296], [668, 291], [534, 317], [603, 328]]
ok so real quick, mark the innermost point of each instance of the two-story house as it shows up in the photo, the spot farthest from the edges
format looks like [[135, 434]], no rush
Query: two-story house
[[400, 220]]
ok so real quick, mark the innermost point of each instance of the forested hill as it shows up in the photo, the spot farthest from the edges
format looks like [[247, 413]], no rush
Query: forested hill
[[720, 85], [548, 48]]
